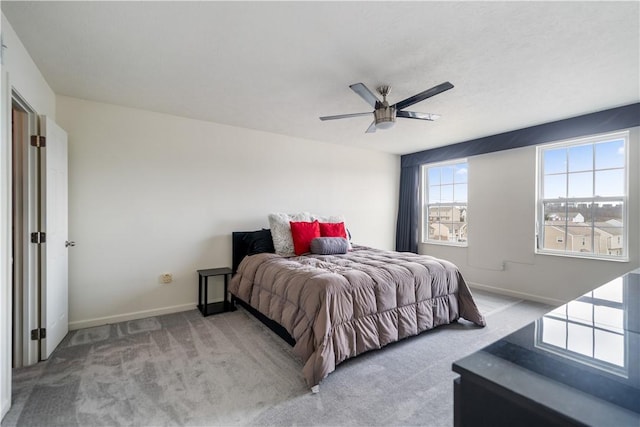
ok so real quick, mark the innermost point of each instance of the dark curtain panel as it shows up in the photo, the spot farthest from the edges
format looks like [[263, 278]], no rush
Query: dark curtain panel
[[408, 210]]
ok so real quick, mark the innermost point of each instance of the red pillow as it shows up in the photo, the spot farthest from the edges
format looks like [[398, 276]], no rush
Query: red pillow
[[303, 233], [333, 229]]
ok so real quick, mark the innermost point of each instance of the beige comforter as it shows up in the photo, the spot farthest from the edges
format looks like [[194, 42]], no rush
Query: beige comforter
[[339, 306]]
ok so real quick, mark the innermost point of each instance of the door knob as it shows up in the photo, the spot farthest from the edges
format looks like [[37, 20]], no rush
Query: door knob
[[69, 243]]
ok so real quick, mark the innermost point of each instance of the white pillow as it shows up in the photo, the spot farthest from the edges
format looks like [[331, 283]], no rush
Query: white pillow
[[281, 230], [333, 219]]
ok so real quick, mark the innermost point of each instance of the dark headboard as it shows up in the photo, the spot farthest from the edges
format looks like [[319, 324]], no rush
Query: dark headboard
[[240, 248], [250, 243]]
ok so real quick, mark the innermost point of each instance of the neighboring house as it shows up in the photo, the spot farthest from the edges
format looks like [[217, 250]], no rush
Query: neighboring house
[[462, 233], [568, 216], [448, 223], [603, 238], [610, 238], [447, 214], [438, 232]]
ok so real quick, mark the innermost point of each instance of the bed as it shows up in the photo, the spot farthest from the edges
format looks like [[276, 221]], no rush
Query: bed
[[334, 307]]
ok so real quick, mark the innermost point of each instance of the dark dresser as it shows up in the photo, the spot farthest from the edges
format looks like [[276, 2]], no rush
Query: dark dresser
[[577, 365]]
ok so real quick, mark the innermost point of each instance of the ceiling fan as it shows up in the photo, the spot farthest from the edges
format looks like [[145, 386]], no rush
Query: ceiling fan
[[384, 115]]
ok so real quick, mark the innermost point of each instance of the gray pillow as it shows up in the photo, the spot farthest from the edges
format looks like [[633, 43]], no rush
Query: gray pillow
[[329, 245]]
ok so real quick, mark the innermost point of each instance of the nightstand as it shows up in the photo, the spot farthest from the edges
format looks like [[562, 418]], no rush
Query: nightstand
[[203, 285]]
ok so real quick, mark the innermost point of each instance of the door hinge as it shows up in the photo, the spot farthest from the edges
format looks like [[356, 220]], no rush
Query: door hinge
[[39, 333], [38, 141], [38, 237]]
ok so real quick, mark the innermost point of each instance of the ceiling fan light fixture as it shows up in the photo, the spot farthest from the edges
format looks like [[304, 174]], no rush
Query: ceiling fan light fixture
[[385, 124], [385, 117]]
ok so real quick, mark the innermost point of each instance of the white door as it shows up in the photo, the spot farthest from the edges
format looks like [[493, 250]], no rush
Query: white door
[[54, 257]]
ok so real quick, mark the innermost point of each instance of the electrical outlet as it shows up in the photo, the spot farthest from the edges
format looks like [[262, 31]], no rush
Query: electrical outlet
[[166, 278]]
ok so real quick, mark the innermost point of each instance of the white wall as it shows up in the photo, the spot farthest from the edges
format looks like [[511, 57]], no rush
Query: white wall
[[502, 225], [24, 76], [20, 74], [152, 193]]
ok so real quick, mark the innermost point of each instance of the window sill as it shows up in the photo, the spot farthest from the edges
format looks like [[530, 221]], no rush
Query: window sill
[[440, 243], [572, 255]]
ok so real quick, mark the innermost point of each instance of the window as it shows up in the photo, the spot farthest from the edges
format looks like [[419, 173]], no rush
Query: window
[[582, 197], [444, 203]]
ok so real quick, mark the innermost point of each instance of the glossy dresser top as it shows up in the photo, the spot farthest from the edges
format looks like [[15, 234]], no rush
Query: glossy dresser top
[[588, 348]]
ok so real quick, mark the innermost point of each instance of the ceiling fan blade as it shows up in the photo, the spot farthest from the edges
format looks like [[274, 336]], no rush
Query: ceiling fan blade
[[344, 116], [423, 95], [365, 93], [419, 116], [372, 127]]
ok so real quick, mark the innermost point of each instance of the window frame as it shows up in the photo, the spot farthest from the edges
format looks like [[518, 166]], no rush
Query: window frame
[[424, 205], [540, 201]]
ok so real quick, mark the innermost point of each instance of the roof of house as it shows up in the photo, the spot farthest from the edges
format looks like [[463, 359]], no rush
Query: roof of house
[[584, 229]]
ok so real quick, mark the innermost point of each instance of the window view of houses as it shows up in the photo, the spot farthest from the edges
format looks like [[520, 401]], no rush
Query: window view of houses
[[584, 227], [445, 208], [447, 223]]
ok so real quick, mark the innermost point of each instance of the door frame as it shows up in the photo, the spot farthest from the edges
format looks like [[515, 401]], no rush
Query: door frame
[[25, 255], [5, 243]]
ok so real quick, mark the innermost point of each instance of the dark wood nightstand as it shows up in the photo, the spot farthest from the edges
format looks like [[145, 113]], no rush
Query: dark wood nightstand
[[203, 285]]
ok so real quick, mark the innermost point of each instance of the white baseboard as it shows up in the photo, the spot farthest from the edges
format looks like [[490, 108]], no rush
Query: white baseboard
[[522, 295], [99, 321]]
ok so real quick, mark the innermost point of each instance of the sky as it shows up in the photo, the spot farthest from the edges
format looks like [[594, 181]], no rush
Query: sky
[[580, 171], [448, 183], [584, 170]]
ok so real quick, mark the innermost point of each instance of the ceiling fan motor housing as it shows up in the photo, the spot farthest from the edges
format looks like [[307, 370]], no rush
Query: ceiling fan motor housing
[[385, 116]]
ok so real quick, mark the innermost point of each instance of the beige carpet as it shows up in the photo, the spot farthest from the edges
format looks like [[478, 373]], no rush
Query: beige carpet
[[228, 369]]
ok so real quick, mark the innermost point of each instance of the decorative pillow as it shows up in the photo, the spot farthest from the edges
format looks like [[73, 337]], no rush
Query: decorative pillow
[[281, 231], [333, 229], [329, 245], [303, 233], [334, 219], [258, 242]]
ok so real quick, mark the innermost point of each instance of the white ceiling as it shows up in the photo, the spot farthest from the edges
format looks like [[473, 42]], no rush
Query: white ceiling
[[278, 66]]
